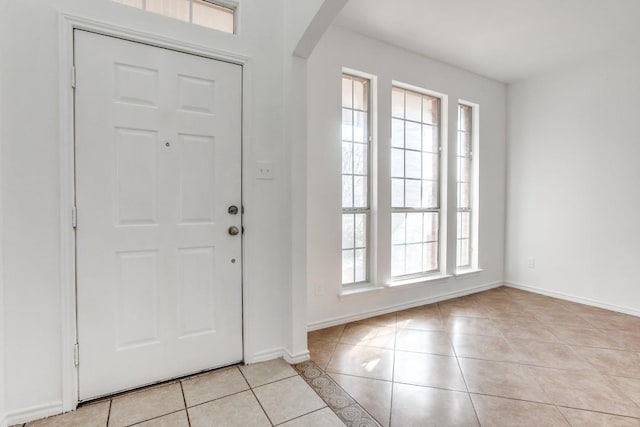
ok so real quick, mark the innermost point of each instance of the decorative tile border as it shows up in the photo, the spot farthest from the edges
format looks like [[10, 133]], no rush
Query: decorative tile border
[[347, 409]]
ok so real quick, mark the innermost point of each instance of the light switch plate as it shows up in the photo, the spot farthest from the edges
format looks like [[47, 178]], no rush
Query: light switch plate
[[264, 169]]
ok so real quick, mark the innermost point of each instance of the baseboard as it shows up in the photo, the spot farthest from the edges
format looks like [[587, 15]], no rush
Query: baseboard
[[340, 320], [296, 358], [573, 298], [33, 413]]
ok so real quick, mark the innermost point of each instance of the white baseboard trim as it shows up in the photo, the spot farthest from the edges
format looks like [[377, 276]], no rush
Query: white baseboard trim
[[296, 358], [33, 413], [340, 320], [573, 298]]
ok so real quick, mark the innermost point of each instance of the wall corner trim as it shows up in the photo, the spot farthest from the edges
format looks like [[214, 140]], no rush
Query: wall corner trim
[[32, 413], [573, 298], [277, 353]]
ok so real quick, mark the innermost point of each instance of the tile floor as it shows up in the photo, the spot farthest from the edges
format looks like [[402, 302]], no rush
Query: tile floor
[[503, 357], [498, 358]]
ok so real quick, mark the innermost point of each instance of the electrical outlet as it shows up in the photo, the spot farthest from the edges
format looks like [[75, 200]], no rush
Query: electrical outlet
[[531, 262], [264, 169]]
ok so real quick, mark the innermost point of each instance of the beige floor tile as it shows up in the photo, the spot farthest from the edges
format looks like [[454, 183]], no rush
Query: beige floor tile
[[629, 386], [612, 320], [369, 334], [426, 318], [177, 419], [143, 405], [370, 362], [213, 385], [463, 308], [388, 320], [472, 326], [266, 372], [550, 355], [584, 390], [428, 370], [288, 399], [93, 415], [585, 337], [328, 334], [483, 347], [580, 418], [431, 407], [373, 395], [525, 329], [556, 317], [240, 409], [433, 342], [627, 340], [321, 351], [500, 412], [501, 379], [611, 362], [322, 418]]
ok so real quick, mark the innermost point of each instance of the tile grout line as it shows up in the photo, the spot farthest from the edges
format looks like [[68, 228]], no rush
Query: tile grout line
[[154, 418], [466, 385], [256, 397], [186, 408], [393, 370], [304, 415], [109, 412]]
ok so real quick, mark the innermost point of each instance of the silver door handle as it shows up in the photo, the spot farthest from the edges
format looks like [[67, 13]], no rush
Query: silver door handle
[[233, 230]]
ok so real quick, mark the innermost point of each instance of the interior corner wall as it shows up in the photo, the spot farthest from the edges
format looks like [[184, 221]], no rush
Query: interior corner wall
[[4, 40], [30, 182], [573, 175], [341, 48]]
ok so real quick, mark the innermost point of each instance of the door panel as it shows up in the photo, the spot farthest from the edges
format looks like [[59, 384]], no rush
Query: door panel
[[158, 161]]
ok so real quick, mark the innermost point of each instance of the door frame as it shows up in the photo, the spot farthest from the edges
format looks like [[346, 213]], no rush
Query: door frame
[[67, 25]]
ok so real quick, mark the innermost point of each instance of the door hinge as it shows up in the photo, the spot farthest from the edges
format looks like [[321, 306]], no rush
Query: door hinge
[[74, 217], [73, 77], [76, 354]]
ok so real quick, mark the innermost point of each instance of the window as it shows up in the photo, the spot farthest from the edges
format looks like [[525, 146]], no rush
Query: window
[[200, 12], [355, 179], [467, 189], [415, 183]]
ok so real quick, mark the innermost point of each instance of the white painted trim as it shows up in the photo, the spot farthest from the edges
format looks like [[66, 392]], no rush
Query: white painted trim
[[340, 320], [296, 358], [67, 24], [33, 413], [263, 356], [573, 298]]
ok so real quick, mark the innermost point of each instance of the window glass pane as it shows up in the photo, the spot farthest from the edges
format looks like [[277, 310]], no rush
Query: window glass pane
[[431, 110], [412, 193], [430, 194], [347, 124], [413, 107], [397, 133], [430, 166], [347, 266], [360, 265], [414, 136], [347, 96], [397, 260], [413, 164], [397, 163], [413, 261], [430, 256], [397, 193], [361, 230], [347, 191], [431, 225], [465, 118], [347, 231], [178, 9], [360, 131], [360, 92], [398, 230], [360, 160], [397, 103], [465, 225], [464, 144], [464, 165], [464, 196], [213, 16], [463, 252], [414, 227], [347, 157], [430, 140], [360, 191]]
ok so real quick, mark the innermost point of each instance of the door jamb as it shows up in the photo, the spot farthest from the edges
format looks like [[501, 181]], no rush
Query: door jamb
[[67, 25]]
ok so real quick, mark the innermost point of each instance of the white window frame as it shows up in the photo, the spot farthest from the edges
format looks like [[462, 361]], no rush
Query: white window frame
[[474, 208], [371, 211], [443, 126]]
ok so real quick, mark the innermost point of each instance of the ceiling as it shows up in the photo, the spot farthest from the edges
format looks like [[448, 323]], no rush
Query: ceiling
[[506, 40]]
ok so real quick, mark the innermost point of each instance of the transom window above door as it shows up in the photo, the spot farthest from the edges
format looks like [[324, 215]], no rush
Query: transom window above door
[[217, 15]]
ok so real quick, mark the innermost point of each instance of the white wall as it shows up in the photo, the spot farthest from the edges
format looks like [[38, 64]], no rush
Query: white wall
[[573, 176], [340, 48], [30, 184], [3, 46]]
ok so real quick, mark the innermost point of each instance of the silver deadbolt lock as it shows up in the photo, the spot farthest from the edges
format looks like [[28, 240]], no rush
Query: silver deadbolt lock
[[234, 231], [233, 210]]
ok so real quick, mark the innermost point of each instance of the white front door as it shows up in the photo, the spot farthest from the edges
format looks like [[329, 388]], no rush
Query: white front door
[[158, 165]]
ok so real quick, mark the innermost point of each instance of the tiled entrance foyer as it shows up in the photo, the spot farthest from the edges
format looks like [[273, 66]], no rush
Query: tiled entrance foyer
[[498, 358]]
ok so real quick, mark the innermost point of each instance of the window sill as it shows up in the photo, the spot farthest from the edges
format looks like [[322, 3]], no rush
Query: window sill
[[467, 272], [356, 290], [417, 281]]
